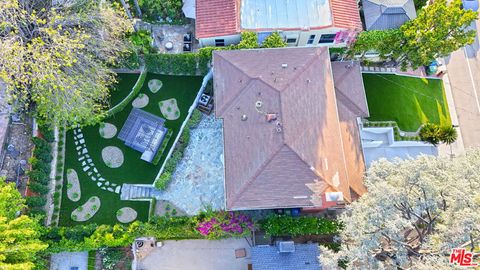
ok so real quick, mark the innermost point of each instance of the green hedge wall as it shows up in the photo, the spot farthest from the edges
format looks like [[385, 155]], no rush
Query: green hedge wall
[[276, 225], [160, 151], [177, 64]]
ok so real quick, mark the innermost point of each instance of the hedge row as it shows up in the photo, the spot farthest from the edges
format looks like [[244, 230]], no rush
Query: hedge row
[[39, 175], [162, 181], [177, 64], [276, 225], [135, 90], [162, 148]]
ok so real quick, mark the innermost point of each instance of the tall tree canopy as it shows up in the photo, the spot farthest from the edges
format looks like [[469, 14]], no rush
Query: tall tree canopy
[[439, 29], [54, 55], [19, 234], [414, 213]]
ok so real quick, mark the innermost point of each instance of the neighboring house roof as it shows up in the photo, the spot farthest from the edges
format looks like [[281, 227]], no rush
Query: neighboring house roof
[[304, 257], [216, 18], [387, 14], [226, 17], [313, 147]]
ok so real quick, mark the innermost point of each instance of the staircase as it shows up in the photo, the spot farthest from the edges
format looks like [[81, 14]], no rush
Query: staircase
[[136, 192]]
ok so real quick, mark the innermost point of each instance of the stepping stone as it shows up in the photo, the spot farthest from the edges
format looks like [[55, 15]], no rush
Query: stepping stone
[[104, 188], [101, 179], [98, 175], [80, 136], [87, 156], [79, 153], [84, 150], [74, 132], [107, 183], [99, 184], [95, 170], [76, 142], [110, 189], [89, 160], [81, 158], [82, 141], [79, 147], [86, 168], [113, 185], [94, 178], [89, 173], [84, 163], [117, 190], [79, 130]]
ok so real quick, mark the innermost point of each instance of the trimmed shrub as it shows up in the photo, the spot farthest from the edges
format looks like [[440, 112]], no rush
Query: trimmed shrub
[[35, 201], [38, 188], [126, 101], [276, 225]]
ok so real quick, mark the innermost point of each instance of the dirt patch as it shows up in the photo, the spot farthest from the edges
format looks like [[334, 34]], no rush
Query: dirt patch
[[107, 130], [169, 109], [87, 210], [154, 85], [126, 215], [112, 156], [141, 101], [73, 186]]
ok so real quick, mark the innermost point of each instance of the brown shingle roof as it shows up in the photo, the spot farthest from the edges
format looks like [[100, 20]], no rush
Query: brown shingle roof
[[292, 161], [216, 18]]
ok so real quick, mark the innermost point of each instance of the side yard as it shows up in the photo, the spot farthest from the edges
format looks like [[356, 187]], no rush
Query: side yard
[[409, 101]]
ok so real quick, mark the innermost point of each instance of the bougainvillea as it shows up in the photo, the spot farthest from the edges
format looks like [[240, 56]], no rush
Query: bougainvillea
[[220, 224]]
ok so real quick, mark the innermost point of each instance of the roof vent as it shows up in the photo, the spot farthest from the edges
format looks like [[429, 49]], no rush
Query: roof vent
[[286, 247], [258, 104], [271, 117], [244, 117], [333, 196], [284, 65]]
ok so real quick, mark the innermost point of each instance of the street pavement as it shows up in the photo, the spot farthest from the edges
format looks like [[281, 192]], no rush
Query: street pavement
[[463, 71]]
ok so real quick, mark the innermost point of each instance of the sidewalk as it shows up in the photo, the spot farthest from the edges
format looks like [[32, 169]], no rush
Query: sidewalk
[[457, 148]]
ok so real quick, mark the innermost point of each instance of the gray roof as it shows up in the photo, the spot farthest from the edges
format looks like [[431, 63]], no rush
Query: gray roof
[[285, 14], [387, 14], [305, 257]]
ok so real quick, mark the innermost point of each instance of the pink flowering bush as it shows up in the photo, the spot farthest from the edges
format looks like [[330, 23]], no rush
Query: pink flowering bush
[[215, 225]]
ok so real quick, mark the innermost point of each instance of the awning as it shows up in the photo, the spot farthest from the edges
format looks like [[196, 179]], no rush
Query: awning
[[189, 8]]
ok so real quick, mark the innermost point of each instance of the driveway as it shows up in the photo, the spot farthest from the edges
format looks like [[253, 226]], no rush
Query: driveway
[[463, 71], [66, 260], [197, 255]]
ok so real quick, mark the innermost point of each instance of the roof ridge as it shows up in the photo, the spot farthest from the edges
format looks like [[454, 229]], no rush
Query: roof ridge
[[305, 67], [257, 173]]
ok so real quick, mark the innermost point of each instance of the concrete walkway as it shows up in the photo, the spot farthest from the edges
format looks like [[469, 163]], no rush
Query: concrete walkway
[[197, 255], [66, 260]]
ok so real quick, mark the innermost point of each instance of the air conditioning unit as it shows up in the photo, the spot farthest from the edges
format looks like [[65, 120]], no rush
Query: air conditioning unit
[[286, 246]]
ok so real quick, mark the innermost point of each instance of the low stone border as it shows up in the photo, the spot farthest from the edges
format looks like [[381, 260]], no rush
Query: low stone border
[[112, 156], [73, 186], [107, 130], [126, 215], [87, 210]]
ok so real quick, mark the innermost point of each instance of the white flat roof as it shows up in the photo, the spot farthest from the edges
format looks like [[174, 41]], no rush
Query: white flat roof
[[278, 14]]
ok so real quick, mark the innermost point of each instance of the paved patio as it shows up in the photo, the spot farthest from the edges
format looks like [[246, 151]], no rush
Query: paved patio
[[198, 180], [197, 255], [164, 33], [66, 260]]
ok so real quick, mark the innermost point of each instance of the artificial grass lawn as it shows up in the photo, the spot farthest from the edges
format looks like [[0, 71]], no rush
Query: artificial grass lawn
[[133, 170], [408, 101]]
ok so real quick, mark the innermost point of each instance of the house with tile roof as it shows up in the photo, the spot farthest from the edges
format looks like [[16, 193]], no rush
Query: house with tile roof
[[387, 14], [300, 22], [290, 128]]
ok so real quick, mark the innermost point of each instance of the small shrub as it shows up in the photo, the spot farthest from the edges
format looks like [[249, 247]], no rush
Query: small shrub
[[58, 187], [74, 217], [56, 195], [80, 209], [69, 186], [75, 195], [174, 212], [58, 177], [119, 212], [35, 201]]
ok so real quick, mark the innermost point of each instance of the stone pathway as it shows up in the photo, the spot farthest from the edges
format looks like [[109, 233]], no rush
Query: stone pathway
[[88, 166], [198, 180]]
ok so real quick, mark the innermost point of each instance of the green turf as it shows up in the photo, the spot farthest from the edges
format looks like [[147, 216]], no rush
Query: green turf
[[133, 170], [125, 82], [408, 101]]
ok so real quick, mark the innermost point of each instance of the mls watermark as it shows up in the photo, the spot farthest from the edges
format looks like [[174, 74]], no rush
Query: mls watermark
[[462, 257]]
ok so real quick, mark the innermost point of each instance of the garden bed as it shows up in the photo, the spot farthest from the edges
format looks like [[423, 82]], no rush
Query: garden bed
[[133, 170]]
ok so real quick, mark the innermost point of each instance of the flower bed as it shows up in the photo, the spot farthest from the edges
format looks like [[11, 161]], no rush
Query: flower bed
[[222, 224]]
